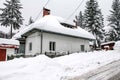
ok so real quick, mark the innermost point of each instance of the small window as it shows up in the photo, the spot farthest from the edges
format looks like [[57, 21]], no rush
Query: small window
[[30, 46], [52, 46], [82, 48]]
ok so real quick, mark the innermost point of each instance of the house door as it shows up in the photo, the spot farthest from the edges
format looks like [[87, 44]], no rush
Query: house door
[[2, 54]]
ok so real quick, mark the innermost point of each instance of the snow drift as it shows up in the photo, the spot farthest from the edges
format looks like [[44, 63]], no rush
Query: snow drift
[[61, 68], [38, 68]]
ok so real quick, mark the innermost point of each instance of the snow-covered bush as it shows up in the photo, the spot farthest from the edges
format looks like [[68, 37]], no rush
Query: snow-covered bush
[[117, 45]]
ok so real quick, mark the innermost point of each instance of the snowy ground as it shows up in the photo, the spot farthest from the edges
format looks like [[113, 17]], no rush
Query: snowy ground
[[44, 68]]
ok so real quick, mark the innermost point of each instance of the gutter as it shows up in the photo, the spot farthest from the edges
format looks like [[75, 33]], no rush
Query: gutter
[[41, 41]]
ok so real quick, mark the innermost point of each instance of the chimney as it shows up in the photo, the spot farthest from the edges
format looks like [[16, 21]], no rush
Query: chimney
[[46, 11]]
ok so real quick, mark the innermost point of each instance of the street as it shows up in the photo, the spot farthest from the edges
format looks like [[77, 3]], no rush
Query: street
[[116, 77], [110, 71]]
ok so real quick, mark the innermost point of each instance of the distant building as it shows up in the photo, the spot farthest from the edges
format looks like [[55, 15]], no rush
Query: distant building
[[108, 45], [3, 35], [7, 47]]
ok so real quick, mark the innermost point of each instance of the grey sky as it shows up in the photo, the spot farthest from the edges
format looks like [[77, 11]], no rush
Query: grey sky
[[63, 8]]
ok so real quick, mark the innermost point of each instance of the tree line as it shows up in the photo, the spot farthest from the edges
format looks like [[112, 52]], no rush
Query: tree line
[[11, 16], [92, 20]]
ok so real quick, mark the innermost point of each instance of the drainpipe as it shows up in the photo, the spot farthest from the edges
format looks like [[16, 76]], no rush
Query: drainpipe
[[41, 45]]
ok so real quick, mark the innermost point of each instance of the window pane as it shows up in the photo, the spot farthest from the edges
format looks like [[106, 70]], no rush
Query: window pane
[[82, 48], [30, 46], [52, 46]]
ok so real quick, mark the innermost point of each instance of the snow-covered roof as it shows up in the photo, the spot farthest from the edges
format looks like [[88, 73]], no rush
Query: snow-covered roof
[[52, 24], [117, 45], [107, 42], [108, 28], [91, 43], [9, 41]]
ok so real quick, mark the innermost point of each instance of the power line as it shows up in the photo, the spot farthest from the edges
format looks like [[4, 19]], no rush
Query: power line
[[76, 9], [47, 3], [41, 10]]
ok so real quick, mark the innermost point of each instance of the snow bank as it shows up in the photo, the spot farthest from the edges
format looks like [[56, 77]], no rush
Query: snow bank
[[80, 63], [61, 68], [117, 45], [52, 24], [38, 68]]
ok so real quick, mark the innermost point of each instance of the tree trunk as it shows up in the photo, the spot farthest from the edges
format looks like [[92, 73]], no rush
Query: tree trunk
[[11, 31]]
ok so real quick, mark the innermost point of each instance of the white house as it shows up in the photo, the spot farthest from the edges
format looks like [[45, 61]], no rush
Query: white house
[[7, 47], [51, 34]]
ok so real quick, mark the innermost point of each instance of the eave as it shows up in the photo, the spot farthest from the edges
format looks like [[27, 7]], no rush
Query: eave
[[39, 30]]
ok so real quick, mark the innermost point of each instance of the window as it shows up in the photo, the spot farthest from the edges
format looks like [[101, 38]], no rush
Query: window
[[82, 48], [30, 46], [52, 46]]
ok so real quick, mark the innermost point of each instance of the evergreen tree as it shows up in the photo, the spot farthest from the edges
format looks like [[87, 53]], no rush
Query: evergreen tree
[[114, 18], [11, 15], [79, 20], [30, 21], [110, 34], [93, 20]]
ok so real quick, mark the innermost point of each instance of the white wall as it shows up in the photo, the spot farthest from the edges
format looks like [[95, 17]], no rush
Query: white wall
[[63, 43], [10, 51], [35, 40]]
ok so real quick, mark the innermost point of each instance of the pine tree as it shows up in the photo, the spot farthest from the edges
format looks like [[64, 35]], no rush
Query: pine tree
[[110, 34], [93, 20], [11, 15], [79, 20], [114, 18], [30, 21]]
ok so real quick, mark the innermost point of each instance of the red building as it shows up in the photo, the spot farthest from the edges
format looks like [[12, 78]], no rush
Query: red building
[[7, 47], [108, 45]]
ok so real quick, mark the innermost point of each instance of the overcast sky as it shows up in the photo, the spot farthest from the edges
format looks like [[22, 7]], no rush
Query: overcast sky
[[63, 8]]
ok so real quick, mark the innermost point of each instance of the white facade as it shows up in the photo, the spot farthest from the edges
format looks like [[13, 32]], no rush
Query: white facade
[[35, 40], [9, 45], [54, 37], [10, 51], [63, 43]]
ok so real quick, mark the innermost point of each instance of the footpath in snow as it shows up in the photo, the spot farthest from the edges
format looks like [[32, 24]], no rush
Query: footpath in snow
[[61, 68]]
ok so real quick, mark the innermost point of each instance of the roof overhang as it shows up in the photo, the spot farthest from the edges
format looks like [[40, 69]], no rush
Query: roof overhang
[[2, 46], [39, 30], [30, 32]]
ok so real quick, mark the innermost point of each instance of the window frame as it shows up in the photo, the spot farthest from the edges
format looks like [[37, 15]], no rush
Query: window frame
[[82, 47], [52, 45], [30, 46]]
